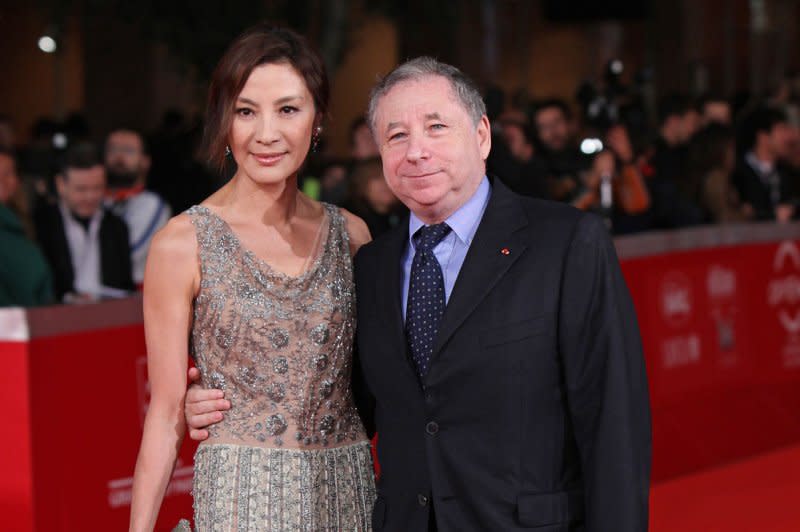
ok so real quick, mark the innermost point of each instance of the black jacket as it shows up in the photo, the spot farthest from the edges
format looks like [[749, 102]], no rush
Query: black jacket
[[754, 191], [115, 254], [535, 410]]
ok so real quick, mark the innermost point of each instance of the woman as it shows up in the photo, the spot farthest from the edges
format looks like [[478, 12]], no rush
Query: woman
[[260, 278]]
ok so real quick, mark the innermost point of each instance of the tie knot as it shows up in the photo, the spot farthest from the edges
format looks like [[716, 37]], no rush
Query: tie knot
[[427, 237]]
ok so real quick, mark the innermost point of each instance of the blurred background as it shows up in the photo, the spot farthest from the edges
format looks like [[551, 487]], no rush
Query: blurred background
[[677, 121]]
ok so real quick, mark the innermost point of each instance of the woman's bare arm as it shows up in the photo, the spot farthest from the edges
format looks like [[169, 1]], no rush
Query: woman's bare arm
[[171, 280]]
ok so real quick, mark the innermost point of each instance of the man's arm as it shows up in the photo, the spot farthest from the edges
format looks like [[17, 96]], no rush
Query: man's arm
[[202, 407], [606, 382]]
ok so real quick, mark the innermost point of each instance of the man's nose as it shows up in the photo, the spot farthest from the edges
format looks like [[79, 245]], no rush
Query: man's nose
[[417, 148]]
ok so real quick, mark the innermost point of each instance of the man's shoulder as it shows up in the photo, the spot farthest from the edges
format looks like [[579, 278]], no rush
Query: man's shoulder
[[553, 225], [542, 213], [146, 200], [148, 196], [375, 248]]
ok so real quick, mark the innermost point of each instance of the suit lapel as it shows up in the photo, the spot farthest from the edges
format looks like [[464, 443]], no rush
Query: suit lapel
[[492, 252]]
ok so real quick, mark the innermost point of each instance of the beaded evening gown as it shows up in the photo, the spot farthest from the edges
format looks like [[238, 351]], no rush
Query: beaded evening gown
[[291, 453]]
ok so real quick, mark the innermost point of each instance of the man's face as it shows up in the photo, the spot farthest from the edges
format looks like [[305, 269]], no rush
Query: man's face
[[780, 139], [82, 189], [552, 128], [9, 182], [433, 154], [125, 158]]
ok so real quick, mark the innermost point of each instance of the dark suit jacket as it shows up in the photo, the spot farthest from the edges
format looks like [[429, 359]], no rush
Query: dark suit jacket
[[752, 190], [535, 412], [115, 252]]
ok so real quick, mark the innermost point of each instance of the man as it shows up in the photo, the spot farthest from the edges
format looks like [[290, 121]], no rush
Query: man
[[25, 279], [87, 246], [498, 353], [766, 139], [555, 132], [671, 208], [127, 163]]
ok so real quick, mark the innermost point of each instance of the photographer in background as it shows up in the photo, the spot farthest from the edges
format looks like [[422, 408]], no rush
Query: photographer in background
[[671, 207], [558, 147]]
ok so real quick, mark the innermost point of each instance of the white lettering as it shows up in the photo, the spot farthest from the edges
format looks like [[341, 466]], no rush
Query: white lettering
[[784, 290]]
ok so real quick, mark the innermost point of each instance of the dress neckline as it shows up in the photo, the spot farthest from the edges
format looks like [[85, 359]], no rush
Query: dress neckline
[[321, 248]]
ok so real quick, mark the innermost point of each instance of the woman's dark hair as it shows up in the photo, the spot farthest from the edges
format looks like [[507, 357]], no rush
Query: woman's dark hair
[[260, 45]]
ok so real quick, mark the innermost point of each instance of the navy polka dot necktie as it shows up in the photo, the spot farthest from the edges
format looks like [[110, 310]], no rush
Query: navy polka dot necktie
[[426, 300]]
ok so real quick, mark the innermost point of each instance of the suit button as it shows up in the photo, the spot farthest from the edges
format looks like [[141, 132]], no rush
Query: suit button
[[432, 428], [422, 499], [429, 397]]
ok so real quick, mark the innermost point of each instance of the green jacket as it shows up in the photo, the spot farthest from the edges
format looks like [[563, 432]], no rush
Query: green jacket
[[25, 278]]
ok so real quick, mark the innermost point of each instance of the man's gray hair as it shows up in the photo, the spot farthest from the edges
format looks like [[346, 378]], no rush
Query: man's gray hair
[[423, 67]]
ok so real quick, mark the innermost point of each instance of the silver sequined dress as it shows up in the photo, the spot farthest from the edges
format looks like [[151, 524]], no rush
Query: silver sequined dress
[[291, 453]]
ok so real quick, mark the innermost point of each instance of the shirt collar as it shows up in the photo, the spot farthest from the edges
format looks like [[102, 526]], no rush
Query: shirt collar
[[762, 168], [464, 222]]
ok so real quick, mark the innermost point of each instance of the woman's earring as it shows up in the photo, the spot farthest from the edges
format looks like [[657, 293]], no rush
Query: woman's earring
[[315, 138], [227, 151]]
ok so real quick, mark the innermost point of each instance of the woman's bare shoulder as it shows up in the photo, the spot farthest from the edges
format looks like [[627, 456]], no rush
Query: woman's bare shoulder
[[177, 239]]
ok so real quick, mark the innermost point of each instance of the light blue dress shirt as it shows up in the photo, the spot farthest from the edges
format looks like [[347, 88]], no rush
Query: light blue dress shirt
[[452, 250]]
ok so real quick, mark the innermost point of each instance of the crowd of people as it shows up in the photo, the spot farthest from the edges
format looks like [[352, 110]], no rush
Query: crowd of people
[[76, 217], [702, 164]]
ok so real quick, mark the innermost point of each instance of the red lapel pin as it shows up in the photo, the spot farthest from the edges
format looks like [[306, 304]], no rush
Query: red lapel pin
[[505, 251]]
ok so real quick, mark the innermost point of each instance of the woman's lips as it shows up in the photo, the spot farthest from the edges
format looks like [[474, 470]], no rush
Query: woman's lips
[[268, 159]]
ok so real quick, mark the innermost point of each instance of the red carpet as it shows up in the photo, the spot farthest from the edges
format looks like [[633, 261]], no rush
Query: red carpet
[[759, 494]]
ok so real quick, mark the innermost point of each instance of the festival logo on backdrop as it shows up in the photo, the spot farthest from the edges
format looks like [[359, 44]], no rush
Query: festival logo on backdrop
[[783, 295], [721, 287], [677, 307], [676, 298]]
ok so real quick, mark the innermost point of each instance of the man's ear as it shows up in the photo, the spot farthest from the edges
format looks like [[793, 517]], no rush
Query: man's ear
[[60, 184], [484, 133]]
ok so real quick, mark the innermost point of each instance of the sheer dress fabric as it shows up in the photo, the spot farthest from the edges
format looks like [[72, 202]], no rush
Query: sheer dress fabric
[[291, 453]]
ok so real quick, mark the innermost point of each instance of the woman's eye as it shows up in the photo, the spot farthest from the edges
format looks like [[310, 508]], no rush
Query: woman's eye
[[244, 111], [288, 109]]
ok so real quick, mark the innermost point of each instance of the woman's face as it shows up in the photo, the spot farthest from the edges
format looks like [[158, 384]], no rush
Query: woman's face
[[272, 125]]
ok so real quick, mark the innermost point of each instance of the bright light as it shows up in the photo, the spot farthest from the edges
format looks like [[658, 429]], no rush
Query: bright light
[[617, 67], [59, 141], [590, 146], [47, 44]]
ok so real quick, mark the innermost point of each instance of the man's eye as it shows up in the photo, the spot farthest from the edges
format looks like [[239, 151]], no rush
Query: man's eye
[[397, 136], [438, 126]]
